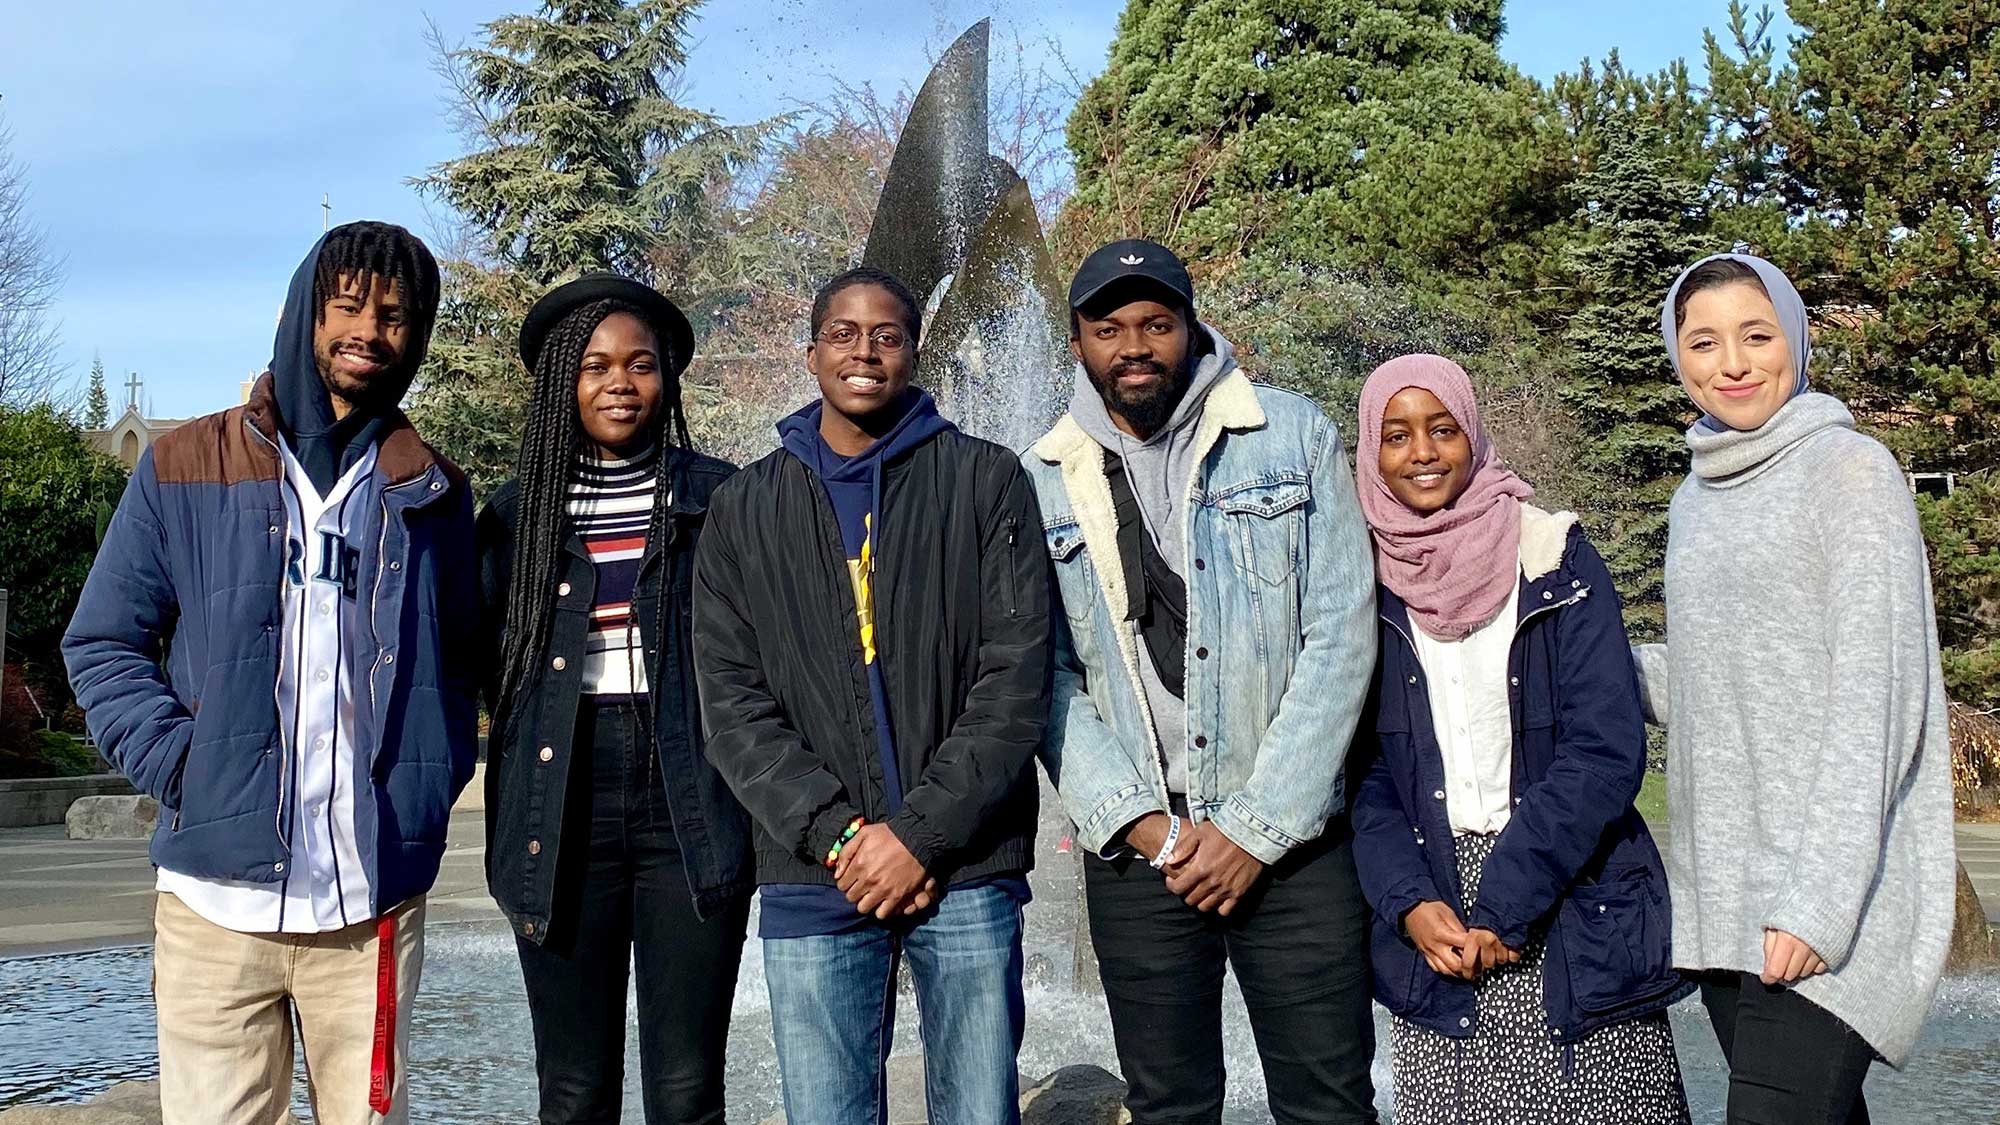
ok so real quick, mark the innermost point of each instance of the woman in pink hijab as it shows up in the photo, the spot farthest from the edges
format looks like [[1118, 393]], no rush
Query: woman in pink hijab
[[1522, 915]]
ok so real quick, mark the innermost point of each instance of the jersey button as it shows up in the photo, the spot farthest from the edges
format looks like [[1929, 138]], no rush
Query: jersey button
[[562, 590], [558, 663], [548, 752], [534, 847]]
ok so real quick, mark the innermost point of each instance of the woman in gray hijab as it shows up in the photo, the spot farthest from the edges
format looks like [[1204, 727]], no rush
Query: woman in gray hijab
[[1808, 779]]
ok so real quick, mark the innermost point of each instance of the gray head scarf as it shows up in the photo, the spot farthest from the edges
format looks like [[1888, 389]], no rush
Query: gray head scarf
[[1792, 320]]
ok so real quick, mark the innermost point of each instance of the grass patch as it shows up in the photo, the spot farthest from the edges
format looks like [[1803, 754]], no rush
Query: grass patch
[[1652, 800]]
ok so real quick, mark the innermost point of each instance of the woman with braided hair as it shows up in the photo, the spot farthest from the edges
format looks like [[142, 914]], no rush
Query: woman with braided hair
[[611, 841]]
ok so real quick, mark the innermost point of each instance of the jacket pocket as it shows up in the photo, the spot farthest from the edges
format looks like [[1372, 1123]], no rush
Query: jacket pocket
[[1397, 968], [1076, 580], [1614, 939], [1013, 566], [1265, 524]]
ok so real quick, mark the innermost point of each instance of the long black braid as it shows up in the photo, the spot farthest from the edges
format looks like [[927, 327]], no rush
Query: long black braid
[[550, 446]]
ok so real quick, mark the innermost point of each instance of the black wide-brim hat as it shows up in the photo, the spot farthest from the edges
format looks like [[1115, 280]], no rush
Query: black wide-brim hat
[[663, 315]]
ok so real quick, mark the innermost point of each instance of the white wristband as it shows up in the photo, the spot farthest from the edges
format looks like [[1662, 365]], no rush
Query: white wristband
[[1166, 855]]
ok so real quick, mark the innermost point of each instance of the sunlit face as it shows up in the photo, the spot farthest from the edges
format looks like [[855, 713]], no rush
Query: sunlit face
[[619, 385], [1426, 457], [359, 340], [1137, 356], [1735, 361], [863, 353]]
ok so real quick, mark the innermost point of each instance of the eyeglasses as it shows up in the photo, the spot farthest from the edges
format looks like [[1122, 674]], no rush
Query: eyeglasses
[[845, 338]]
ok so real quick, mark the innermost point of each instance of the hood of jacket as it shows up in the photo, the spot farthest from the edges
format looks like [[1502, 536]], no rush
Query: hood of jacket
[[327, 446]]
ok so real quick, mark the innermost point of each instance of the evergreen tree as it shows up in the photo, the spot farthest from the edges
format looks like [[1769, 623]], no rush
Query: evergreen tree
[[96, 403], [1879, 197], [582, 161], [1642, 222], [1359, 133]]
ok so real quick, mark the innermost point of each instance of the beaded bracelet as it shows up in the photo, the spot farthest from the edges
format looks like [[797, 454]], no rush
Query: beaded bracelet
[[833, 853]]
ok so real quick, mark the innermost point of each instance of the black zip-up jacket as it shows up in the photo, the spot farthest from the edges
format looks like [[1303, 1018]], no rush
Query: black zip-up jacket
[[961, 591], [528, 763]]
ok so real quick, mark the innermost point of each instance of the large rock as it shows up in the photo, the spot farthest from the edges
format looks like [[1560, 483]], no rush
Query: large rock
[[1074, 1095], [128, 1103], [1972, 942], [111, 818]]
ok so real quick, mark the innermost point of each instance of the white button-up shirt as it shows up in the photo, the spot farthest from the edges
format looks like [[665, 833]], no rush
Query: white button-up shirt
[[327, 650], [1472, 718]]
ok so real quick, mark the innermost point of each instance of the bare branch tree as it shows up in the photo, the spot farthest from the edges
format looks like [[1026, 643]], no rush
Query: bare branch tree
[[31, 369]]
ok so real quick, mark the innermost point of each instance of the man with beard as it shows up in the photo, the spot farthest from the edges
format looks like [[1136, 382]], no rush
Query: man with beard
[[275, 644], [1212, 658]]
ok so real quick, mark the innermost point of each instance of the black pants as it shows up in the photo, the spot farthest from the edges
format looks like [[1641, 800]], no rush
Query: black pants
[[1791, 1062], [1299, 949], [622, 900]]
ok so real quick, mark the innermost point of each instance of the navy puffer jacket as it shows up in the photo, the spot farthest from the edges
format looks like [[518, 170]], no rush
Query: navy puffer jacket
[[1575, 861], [174, 648]]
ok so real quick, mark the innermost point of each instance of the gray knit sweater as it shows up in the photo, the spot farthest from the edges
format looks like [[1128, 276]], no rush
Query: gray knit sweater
[[1808, 770]]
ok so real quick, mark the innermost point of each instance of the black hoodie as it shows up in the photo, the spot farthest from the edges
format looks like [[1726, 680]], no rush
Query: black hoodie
[[324, 446]]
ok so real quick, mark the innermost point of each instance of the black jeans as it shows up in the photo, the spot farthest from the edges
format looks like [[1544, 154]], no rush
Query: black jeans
[[1791, 1062], [1299, 948], [621, 900]]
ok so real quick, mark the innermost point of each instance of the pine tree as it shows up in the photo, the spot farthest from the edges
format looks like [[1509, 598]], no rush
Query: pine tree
[[1359, 133], [96, 403], [582, 161], [1642, 221], [1885, 131]]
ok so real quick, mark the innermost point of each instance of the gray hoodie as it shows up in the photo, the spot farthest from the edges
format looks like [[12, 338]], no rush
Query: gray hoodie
[[1160, 470]]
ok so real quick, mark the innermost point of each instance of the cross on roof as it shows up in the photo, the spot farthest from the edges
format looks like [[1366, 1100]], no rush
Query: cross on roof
[[132, 386]]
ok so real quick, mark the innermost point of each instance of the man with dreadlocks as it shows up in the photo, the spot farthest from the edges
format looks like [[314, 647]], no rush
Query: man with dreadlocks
[[275, 643], [613, 845], [872, 634]]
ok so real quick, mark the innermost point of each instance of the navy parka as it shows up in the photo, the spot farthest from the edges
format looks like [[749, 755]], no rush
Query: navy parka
[[1575, 861]]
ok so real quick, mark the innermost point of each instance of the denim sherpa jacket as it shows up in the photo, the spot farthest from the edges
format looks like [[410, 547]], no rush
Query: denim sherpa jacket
[[1281, 638]]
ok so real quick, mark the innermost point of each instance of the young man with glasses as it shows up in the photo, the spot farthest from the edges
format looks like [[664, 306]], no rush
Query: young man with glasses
[[871, 637]]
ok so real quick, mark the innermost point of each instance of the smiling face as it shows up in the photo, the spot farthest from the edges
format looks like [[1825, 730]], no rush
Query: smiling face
[[619, 385], [1735, 361], [1136, 355], [1426, 457], [359, 342], [862, 354]]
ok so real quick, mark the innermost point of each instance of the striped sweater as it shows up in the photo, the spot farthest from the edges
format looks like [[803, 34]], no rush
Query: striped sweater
[[610, 506]]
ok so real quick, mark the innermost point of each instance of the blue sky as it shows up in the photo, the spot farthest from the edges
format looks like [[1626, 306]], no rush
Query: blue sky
[[178, 161]]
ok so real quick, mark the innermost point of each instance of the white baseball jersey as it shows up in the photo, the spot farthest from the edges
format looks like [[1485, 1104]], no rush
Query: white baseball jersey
[[326, 635]]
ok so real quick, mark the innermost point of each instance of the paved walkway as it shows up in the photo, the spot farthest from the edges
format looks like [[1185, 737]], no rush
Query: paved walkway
[[59, 896], [1979, 851]]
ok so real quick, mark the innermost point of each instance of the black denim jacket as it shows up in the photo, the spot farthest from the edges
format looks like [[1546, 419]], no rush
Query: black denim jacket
[[528, 763]]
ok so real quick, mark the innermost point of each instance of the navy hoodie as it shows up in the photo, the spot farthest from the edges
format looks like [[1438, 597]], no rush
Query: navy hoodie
[[326, 447], [854, 488]]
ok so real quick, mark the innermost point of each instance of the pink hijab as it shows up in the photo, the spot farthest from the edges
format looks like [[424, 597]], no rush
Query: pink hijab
[[1456, 567]]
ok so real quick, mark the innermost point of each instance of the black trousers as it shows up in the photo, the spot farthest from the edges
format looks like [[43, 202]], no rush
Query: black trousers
[[622, 902], [1791, 1062], [1299, 949]]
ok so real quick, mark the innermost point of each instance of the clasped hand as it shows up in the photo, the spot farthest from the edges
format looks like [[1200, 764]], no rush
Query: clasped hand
[[1451, 949], [1208, 870], [880, 876]]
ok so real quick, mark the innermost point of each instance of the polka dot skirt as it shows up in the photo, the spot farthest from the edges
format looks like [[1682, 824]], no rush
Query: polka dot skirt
[[1510, 1073]]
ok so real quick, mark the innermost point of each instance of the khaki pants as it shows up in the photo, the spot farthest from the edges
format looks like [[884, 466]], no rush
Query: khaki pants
[[226, 1004]]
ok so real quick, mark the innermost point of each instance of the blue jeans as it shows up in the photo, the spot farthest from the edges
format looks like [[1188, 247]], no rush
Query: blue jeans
[[833, 1014]]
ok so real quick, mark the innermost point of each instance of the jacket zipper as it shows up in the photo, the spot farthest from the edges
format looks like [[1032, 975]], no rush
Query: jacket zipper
[[1013, 565], [284, 759]]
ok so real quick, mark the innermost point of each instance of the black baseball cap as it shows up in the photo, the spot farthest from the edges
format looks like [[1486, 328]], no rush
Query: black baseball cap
[[1127, 261], [662, 315]]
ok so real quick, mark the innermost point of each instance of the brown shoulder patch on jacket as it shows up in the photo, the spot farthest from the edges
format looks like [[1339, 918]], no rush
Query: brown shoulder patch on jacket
[[214, 449]]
